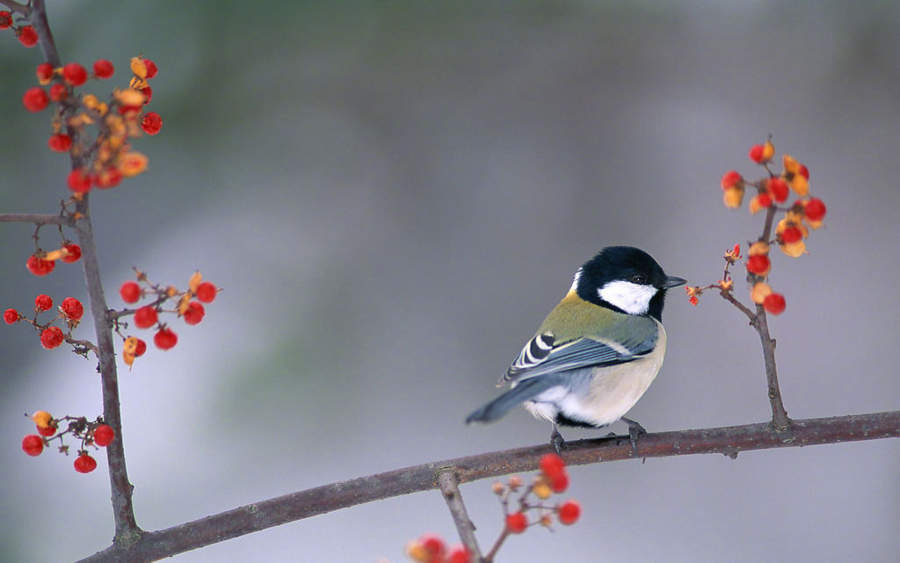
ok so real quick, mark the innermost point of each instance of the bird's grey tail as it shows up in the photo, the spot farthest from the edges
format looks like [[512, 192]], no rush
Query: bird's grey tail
[[523, 391]]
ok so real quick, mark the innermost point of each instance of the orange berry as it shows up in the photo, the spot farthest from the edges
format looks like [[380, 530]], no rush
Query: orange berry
[[733, 197], [42, 419], [759, 292]]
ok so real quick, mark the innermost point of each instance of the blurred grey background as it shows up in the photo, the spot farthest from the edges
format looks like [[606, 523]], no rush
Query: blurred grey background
[[394, 194]]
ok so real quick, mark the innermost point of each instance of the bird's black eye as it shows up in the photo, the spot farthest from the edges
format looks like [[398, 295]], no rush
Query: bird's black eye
[[639, 279]]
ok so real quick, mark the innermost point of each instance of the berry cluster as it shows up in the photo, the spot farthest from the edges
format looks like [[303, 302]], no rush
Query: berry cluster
[[430, 548], [92, 434], [188, 306], [802, 215], [95, 132], [69, 313], [42, 263], [553, 478], [26, 34]]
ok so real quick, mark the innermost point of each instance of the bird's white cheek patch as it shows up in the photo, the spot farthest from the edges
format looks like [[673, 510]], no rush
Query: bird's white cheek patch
[[632, 298]]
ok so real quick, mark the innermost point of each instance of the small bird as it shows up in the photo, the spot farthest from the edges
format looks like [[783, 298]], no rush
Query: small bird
[[597, 351]]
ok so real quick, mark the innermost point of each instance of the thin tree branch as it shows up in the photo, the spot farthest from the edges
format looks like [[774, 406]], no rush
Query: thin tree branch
[[40, 219], [449, 485], [16, 7], [327, 498]]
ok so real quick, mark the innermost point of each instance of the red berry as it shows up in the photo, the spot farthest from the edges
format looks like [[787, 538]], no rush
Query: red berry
[[152, 71], [44, 72], [72, 308], [148, 94], [804, 171], [11, 316], [28, 36], [516, 522], [103, 435], [35, 99], [552, 465], [433, 544], [74, 74], [560, 483], [774, 303], [194, 314], [60, 142], [815, 209], [791, 234], [140, 348], [51, 337], [165, 339], [458, 554], [5, 19], [43, 302], [732, 179], [206, 292], [145, 317], [33, 444], [79, 182], [103, 69], [74, 253], [757, 154], [759, 264], [46, 431], [39, 266], [765, 200], [152, 123], [84, 463], [58, 92], [778, 188], [107, 178], [569, 512], [130, 292]]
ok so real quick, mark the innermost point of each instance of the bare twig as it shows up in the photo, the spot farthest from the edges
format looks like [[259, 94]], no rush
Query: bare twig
[[16, 7], [449, 485], [327, 498], [39, 219]]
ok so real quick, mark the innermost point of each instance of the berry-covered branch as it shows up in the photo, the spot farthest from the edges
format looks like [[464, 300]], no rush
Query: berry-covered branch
[[804, 214], [729, 441]]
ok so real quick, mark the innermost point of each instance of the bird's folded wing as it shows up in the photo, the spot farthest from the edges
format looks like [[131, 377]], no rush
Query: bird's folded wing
[[632, 338]]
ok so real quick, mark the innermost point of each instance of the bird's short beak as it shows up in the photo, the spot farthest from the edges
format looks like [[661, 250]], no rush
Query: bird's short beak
[[672, 281]]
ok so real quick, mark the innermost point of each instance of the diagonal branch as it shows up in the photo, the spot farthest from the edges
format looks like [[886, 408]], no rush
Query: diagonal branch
[[327, 498], [449, 485]]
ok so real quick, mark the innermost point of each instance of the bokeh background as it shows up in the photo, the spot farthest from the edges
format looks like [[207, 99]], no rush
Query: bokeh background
[[394, 194]]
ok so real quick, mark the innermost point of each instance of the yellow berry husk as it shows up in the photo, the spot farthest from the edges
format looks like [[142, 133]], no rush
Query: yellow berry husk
[[814, 225], [794, 249], [754, 205], [129, 97], [497, 488], [759, 292], [194, 281], [138, 83], [416, 551], [171, 291], [56, 254], [542, 490], [138, 67], [726, 285], [132, 164], [515, 482], [42, 419], [184, 304], [758, 247], [128, 358], [733, 197], [90, 101], [130, 345], [800, 185], [768, 151]]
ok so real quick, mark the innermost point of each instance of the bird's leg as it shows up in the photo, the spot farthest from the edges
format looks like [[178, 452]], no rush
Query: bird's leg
[[556, 439], [634, 430]]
